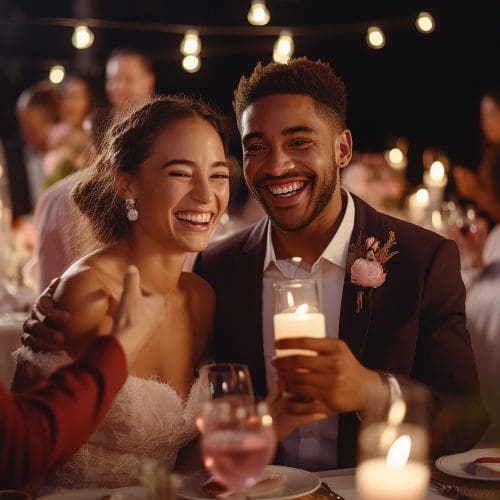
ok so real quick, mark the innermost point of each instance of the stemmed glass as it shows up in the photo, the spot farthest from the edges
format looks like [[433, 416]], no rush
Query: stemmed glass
[[228, 379], [238, 441]]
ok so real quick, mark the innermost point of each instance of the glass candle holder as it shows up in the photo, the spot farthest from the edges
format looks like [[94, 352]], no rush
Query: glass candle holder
[[393, 446]]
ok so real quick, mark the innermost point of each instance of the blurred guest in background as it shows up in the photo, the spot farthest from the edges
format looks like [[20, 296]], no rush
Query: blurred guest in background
[[77, 100], [129, 82], [37, 111], [130, 79], [69, 139], [483, 298], [471, 185], [58, 223]]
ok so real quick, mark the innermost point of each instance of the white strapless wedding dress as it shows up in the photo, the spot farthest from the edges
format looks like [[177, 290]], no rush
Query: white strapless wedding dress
[[146, 419]]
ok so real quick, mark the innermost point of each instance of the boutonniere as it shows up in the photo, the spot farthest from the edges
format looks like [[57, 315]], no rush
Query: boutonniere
[[365, 264]]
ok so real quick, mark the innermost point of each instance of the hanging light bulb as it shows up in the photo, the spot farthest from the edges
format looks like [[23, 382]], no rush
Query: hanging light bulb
[[375, 37], [425, 23], [283, 48], [258, 14], [191, 63], [82, 37], [191, 44], [56, 74]]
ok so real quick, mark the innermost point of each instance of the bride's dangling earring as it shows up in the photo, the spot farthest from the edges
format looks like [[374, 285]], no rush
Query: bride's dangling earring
[[132, 213]]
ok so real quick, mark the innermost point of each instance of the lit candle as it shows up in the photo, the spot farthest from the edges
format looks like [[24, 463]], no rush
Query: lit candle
[[398, 473], [375, 480], [418, 205], [436, 176], [300, 323]]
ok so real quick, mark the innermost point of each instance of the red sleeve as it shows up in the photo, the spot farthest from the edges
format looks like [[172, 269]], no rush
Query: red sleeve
[[45, 426]]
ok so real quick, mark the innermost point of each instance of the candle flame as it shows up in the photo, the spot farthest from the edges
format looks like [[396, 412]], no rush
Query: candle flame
[[422, 196], [302, 309], [289, 299], [398, 453]]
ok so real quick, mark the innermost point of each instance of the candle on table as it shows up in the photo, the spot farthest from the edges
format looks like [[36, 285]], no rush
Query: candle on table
[[375, 480], [401, 471], [418, 205], [435, 181]]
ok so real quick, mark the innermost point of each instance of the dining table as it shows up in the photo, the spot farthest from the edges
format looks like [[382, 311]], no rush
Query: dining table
[[341, 481]]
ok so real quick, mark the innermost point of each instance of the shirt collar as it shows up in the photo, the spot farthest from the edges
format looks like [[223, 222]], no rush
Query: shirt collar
[[336, 251]]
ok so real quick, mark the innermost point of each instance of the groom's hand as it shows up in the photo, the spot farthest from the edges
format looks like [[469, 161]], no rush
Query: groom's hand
[[333, 377], [43, 330]]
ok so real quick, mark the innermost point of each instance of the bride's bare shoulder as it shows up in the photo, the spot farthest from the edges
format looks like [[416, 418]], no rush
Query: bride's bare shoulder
[[84, 292]]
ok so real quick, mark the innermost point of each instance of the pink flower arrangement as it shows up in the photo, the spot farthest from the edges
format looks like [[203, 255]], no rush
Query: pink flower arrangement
[[367, 273], [365, 264]]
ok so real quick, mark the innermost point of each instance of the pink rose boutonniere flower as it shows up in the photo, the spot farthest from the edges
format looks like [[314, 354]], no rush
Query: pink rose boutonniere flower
[[365, 264]]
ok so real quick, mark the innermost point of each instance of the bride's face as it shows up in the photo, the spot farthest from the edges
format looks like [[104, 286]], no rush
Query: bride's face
[[182, 188]]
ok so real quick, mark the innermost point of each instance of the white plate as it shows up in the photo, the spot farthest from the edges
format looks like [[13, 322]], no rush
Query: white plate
[[128, 493], [460, 464], [297, 483]]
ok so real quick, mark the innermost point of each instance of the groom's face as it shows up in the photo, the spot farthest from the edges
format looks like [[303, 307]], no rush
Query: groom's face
[[289, 158]]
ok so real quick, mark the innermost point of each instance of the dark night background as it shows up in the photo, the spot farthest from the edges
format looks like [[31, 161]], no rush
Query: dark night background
[[424, 87]]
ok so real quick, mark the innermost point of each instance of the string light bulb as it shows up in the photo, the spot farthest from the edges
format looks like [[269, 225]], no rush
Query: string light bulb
[[191, 43], [375, 37], [258, 14], [283, 48], [425, 23], [82, 38], [191, 63], [56, 73]]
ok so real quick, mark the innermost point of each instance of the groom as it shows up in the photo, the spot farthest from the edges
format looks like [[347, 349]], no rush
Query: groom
[[385, 325]]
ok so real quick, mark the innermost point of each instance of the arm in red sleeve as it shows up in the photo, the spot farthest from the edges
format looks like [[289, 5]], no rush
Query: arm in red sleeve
[[48, 424]]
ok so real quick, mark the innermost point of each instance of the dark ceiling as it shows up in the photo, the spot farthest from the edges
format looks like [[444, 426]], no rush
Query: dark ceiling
[[426, 88]]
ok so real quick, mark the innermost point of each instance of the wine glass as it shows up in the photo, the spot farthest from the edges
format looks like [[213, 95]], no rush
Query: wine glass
[[228, 379], [393, 445], [238, 441]]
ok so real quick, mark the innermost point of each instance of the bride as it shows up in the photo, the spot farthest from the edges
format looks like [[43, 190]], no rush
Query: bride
[[154, 193]]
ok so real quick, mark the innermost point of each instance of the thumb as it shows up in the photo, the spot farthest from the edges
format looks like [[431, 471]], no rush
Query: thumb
[[131, 284]]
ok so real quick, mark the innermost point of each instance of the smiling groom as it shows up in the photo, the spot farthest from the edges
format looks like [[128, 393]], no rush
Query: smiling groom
[[397, 317]]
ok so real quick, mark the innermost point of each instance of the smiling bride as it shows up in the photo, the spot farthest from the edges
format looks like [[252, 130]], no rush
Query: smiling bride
[[154, 194]]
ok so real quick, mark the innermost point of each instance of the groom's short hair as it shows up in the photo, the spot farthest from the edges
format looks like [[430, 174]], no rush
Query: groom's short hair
[[315, 79]]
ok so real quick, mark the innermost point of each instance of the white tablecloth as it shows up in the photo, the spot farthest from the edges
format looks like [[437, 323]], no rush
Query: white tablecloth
[[11, 327]]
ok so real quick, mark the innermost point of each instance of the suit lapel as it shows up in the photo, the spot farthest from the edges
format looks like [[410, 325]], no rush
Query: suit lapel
[[242, 314], [252, 261], [353, 327]]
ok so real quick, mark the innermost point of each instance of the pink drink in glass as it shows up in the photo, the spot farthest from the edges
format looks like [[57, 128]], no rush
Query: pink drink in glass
[[236, 457]]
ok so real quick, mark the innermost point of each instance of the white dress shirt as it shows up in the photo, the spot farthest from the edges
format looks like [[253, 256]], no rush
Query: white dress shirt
[[311, 447]]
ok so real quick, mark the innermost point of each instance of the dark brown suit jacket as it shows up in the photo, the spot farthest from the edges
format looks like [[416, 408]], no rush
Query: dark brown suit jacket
[[413, 326]]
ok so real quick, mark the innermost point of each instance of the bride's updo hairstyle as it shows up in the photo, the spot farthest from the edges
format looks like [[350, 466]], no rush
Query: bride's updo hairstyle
[[124, 147]]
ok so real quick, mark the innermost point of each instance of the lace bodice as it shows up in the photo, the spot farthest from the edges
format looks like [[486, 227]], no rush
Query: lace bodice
[[146, 419]]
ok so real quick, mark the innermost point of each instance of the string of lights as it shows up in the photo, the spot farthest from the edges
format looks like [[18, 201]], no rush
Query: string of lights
[[258, 16]]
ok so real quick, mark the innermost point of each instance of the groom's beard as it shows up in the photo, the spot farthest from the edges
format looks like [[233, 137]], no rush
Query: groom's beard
[[319, 200]]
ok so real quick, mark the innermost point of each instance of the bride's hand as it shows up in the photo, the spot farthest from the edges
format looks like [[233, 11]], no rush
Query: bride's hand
[[286, 422]]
